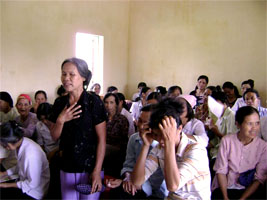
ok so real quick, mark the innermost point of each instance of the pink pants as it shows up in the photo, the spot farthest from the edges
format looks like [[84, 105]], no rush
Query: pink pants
[[68, 182]]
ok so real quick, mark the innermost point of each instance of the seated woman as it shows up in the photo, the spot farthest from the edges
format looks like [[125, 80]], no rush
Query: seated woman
[[239, 153], [192, 127], [251, 98], [231, 93], [26, 118], [153, 98], [248, 84], [123, 109], [136, 106], [117, 136], [44, 138], [39, 97], [7, 111], [202, 83], [174, 91], [202, 111], [32, 167]]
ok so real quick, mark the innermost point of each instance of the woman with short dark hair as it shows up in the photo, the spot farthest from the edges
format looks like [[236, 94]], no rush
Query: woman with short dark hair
[[241, 161]]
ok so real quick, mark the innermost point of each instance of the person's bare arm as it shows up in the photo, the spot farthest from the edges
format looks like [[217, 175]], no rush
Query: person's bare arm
[[250, 190], [100, 154], [222, 180]]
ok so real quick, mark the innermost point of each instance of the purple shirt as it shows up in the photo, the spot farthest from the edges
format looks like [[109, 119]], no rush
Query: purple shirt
[[29, 124], [234, 158]]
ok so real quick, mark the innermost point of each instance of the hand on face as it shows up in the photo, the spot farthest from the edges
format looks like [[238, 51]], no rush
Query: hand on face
[[144, 133], [168, 129]]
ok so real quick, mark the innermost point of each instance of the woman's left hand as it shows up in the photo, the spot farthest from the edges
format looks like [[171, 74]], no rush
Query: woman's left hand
[[96, 182]]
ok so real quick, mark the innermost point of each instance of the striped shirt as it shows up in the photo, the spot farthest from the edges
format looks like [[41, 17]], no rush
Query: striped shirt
[[193, 164]]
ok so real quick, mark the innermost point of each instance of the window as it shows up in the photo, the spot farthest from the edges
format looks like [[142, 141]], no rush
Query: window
[[90, 48]]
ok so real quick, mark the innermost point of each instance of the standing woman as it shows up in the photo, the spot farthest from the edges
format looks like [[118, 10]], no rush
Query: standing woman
[[202, 83], [80, 125]]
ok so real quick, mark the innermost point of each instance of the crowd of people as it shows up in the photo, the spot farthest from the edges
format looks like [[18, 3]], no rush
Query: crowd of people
[[161, 144]]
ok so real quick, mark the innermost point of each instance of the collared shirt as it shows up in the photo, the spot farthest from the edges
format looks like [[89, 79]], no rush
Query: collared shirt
[[78, 140], [44, 138], [155, 185], [129, 117], [196, 128], [234, 158], [28, 125], [193, 164], [11, 115], [226, 125], [136, 109], [32, 168]]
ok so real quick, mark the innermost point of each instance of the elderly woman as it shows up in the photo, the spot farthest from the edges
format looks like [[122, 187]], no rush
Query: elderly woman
[[26, 118], [117, 136], [79, 122], [241, 161], [32, 167]]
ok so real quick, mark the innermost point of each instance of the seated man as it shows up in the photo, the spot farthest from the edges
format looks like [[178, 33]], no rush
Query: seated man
[[184, 162], [155, 186]]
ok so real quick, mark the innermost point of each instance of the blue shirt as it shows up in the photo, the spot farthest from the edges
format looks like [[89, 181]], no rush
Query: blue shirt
[[155, 185]]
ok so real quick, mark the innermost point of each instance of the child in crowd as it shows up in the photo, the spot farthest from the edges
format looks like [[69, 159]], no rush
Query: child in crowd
[[32, 167], [184, 162]]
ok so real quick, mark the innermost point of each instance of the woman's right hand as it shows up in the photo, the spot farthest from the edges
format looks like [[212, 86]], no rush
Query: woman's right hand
[[70, 113]]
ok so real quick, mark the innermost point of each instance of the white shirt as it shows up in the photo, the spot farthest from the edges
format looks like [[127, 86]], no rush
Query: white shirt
[[32, 168], [238, 104], [263, 132], [136, 110], [196, 128], [44, 137], [129, 117]]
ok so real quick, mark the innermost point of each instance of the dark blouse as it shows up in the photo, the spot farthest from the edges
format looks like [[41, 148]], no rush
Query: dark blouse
[[78, 140], [117, 131], [200, 99]]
